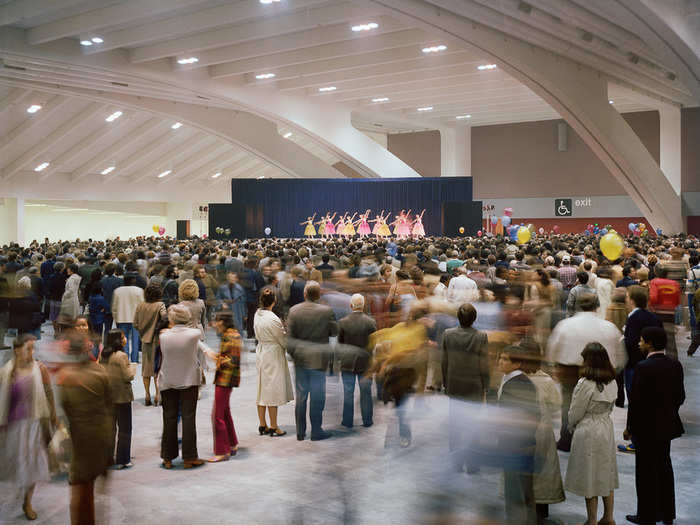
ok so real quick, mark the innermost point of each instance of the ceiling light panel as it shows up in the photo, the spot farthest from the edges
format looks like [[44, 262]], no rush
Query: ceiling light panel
[[434, 49], [177, 125], [216, 175], [114, 116], [165, 174], [486, 67], [327, 89], [380, 99], [365, 27], [287, 135], [265, 76], [425, 108], [107, 171], [42, 166], [188, 60], [86, 43], [462, 117], [97, 39], [33, 108], [266, 2]]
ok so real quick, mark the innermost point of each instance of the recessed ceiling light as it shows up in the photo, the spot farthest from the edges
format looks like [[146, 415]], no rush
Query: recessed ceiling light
[[365, 27], [434, 49], [86, 42], [165, 174], [216, 175], [269, 1], [263, 76], [461, 117], [611, 101], [381, 99], [35, 205], [114, 116], [425, 108], [33, 108], [107, 171], [327, 88], [42, 166], [97, 40], [287, 135], [188, 60], [177, 125], [483, 67]]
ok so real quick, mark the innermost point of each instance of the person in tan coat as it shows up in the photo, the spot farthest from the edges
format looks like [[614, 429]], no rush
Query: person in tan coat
[[150, 316]]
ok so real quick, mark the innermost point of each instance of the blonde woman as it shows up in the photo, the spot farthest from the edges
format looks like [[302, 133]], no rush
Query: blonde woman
[[188, 292]]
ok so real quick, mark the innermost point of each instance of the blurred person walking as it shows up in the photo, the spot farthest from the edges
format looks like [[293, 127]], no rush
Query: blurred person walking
[[592, 468], [274, 380], [27, 412], [70, 301], [149, 318]]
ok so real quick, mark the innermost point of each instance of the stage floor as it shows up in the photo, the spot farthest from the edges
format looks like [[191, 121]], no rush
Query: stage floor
[[358, 476]]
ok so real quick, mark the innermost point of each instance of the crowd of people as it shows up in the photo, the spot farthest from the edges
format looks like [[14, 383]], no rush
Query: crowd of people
[[531, 330]]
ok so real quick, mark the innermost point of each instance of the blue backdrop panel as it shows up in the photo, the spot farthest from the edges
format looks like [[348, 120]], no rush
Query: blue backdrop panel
[[287, 202]]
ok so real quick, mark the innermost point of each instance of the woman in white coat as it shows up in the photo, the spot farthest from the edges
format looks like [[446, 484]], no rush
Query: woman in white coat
[[70, 302], [274, 380], [604, 288]]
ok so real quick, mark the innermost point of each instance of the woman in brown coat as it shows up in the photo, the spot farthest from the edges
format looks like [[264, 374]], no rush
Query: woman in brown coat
[[149, 317]]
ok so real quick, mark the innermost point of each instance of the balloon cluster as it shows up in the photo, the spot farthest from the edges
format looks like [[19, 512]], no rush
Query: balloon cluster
[[638, 229], [160, 230], [222, 231]]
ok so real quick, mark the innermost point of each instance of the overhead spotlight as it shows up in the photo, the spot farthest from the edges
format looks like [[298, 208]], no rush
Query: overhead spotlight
[[434, 49], [486, 67], [365, 27], [165, 174], [327, 88], [86, 43], [188, 60], [177, 125], [269, 2], [97, 40], [611, 101], [114, 116], [425, 108], [265, 76], [107, 171], [524, 7], [216, 175], [287, 135], [42, 166], [462, 117], [33, 108], [381, 99]]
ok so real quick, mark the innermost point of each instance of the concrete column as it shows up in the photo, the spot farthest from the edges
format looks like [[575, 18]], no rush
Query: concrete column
[[670, 136], [20, 221], [456, 152]]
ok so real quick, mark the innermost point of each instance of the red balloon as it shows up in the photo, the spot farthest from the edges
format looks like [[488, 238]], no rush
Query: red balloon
[[556, 228]]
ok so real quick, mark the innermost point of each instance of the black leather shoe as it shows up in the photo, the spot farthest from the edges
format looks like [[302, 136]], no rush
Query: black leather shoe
[[300, 438], [633, 518], [321, 435]]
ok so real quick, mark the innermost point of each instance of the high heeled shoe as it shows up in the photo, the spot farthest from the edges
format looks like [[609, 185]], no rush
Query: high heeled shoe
[[274, 432], [263, 430], [29, 512]]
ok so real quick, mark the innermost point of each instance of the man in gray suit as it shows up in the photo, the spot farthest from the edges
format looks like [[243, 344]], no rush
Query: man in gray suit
[[309, 325], [353, 337]]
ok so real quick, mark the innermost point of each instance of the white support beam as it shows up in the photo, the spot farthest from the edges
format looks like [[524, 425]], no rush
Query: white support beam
[[33, 121], [132, 138], [48, 142], [244, 168], [86, 144], [95, 19], [221, 163], [182, 151], [290, 42], [19, 10], [195, 161], [16, 96], [338, 49], [201, 26]]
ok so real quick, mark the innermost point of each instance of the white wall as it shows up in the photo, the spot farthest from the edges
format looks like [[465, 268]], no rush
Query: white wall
[[8, 220]]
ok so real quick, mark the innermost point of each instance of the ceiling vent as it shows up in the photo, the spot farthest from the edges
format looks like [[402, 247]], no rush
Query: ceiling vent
[[633, 58], [586, 36], [671, 76], [524, 7]]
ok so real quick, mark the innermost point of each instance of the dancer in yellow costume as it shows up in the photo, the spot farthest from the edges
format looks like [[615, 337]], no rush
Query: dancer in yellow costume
[[349, 229], [383, 230], [309, 231]]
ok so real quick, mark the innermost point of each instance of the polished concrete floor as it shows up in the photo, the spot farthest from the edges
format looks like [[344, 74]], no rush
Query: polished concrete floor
[[358, 476]]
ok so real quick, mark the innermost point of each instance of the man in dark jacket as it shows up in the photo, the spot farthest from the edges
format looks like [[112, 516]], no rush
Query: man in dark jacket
[[110, 282], [309, 326], [656, 394], [353, 334]]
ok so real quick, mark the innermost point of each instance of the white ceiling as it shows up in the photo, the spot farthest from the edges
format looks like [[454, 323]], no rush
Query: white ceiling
[[307, 44]]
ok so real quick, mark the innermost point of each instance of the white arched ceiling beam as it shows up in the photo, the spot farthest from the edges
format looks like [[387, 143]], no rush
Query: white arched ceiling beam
[[18, 10], [14, 97], [577, 93], [165, 161], [37, 120], [218, 150], [222, 164]]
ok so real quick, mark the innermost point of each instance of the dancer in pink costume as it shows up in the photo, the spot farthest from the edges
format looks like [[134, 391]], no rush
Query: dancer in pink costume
[[340, 225], [418, 229], [363, 229], [405, 225], [376, 221], [330, 227]]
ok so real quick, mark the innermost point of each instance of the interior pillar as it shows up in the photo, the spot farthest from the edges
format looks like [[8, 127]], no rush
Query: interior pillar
[[455, 152], [670, 136]]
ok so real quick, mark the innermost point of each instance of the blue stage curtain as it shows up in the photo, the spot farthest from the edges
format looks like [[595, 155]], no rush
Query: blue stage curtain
[[287, 202]]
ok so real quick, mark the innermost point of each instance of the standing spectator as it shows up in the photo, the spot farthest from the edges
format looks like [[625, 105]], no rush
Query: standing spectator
[[121, 374], [110, 282], [695, 342], [170, 286], [274, 381], [592, 468], [149, 318], [56, 287], [310, 325], [26, 410], [664, 297], [25, 309], [462, 289], [354, 331], [179, 379], [207, 289], [692, 286], [629, 277], [656, 394], [567, 274], [582, 288], [252, 282], [231, 297], [98, 308], [189, 298], [566, 343], [70, 302], [125, 300], [604, 288]]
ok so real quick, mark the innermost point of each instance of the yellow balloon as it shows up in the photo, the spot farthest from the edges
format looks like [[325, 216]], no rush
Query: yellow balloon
[[612, 245], [155, 228], [523, 235], [461, 229]]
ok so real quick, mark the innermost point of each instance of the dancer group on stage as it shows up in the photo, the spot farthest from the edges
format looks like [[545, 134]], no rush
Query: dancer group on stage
[[404, 227]]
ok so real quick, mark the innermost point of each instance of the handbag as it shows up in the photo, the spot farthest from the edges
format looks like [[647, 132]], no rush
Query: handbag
[[59, 450]]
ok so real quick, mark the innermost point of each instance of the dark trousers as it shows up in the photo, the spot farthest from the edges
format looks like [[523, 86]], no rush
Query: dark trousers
[[366, 406], [653, 475], [620, 380], [519, 498], [250, 330], [122, 420], [222, 422], [309, 383], [568, 377], [109, 321], [186, 398], [669, 322], [695, 342]]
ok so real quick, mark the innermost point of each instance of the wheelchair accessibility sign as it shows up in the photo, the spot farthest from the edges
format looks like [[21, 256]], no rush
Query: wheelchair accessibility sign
[[563, 207]]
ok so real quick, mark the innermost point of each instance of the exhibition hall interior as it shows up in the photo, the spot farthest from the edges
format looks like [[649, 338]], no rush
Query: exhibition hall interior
[[349, 261]]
